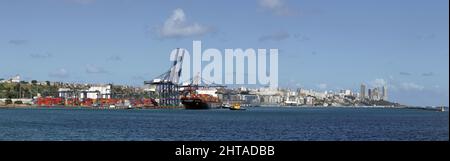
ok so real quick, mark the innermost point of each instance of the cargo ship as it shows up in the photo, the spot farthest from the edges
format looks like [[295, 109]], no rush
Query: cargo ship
[[201, 101], [200, 98], [195, 96]]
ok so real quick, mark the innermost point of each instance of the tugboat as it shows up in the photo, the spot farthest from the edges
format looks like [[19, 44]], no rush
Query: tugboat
[[112, 106], [236, 106], [130, 107]]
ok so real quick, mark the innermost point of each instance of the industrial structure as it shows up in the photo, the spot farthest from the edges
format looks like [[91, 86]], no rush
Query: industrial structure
[[165, 88]]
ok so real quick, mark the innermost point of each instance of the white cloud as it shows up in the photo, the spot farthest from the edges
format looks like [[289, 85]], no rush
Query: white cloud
[[301, 37], [379, 82], [278, 7], [411, 86], [322, 86], [18, 42], [405, 73], [271, 3], [114, 58], [41, 56], [60, 73], [84, 2], [91, 69], [178, 26], [278, 36], [427, 36], [428, 74]]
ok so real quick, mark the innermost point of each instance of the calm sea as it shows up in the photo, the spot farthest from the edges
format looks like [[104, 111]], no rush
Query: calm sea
[[254, 124]]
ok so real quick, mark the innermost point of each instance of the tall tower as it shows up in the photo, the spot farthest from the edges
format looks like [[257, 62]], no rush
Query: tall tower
[[370, 94], [384, 92], [376, 93], [362, 92]]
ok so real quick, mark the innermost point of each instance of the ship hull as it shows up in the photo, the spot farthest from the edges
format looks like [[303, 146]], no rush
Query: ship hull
[[194, 104]]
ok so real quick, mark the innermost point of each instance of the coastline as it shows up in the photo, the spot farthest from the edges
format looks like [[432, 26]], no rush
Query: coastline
[[427, 108], [81, 107]]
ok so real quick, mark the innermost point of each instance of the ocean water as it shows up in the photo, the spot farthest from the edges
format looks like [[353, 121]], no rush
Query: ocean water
[[254, 124]]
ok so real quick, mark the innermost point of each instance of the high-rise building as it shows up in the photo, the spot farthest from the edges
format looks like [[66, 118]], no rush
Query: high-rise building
[[362, 92], [376, 93], [384, 93], [369, 93]]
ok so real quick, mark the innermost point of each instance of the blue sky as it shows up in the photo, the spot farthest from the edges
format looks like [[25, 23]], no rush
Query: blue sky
[[324, 44]]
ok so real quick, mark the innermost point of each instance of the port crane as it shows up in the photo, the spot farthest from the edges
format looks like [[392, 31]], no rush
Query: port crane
[[194, 84], [165, 86]]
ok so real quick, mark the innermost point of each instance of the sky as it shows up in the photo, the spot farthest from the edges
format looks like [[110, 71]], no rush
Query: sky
[[323, 44]]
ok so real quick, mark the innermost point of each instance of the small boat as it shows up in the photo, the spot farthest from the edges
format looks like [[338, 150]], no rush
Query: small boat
[[130, 107], [226, 105], [236, 106]]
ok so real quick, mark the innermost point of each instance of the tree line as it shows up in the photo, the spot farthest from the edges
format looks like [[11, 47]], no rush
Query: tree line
[[27, 90]]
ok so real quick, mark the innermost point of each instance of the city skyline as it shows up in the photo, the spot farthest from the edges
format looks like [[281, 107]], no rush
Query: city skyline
[[332, 45]]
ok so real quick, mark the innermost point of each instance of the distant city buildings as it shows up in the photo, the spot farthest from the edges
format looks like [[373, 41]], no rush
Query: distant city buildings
[[375, 94], [15, 79], [346, 92], [362, 92], [298, 97], [245, 96]]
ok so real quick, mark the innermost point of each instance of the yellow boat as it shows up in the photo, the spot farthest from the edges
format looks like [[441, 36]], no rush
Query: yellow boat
[[236, 106]]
